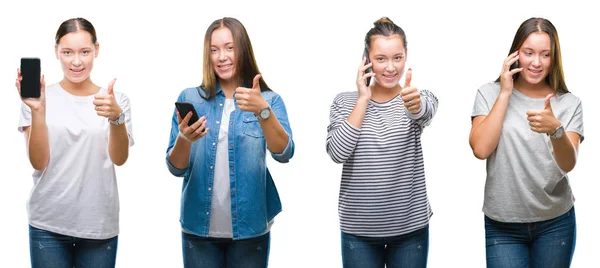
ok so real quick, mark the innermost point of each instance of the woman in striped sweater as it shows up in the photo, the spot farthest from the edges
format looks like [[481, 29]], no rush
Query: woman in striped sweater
[[375, 132]]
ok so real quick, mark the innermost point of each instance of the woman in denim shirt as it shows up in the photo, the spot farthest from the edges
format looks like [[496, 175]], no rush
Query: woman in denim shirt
[[228, 199]]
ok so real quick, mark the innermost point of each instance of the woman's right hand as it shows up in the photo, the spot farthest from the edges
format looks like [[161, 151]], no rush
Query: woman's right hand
[[364, 92], [33, 103], [195, 131], [506, 76]]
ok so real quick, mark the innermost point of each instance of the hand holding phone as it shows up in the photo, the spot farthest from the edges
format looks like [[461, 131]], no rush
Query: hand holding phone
[[184, 108], [30, 85], [515, 65]]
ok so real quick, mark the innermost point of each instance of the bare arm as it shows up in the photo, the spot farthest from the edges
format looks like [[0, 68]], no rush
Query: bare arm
[[36, 138]]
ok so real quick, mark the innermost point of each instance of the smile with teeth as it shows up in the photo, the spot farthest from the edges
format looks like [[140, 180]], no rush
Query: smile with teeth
[[389, 76], [77, 71], [225, 67], [535, 72]]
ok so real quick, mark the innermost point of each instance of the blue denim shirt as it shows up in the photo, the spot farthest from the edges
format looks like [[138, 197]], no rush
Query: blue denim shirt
[[254, 198]]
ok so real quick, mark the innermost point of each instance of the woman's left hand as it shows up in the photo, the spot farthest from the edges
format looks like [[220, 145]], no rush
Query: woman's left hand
[[543, 121], [106, 105], [250, 99], [410, 95]]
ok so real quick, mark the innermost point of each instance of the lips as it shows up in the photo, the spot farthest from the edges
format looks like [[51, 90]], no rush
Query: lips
[[389, 77], [535, 72], [224, 67], [77, 71]]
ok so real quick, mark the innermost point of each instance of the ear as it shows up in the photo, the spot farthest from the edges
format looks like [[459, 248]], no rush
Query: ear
[[97, 45], [56, 51]]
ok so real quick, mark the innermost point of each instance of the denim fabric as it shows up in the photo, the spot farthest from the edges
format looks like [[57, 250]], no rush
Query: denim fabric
[[544, 244], [48, 249], [254, 198], [201, 252], [408, 250]]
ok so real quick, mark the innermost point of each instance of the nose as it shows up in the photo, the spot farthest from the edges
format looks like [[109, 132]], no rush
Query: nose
[[222, 56], [536, 61], [76, 60], [390, 66]]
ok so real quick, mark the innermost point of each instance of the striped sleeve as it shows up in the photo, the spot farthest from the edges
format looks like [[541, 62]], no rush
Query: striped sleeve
[[341, 135], [429, 104]]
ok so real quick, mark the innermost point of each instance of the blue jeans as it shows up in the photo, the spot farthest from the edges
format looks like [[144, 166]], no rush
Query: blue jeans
[[208, 252], [408, 250], [544, 244], [48, 249]]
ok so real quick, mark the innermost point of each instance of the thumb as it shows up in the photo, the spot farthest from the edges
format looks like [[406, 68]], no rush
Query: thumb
[[255, 82], [407, 78], [111, 85], [547, 102], [42, 84]]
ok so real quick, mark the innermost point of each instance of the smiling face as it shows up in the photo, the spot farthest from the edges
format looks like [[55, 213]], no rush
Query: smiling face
[[222, 54], [76, 53], [535, 58], [388, 56]]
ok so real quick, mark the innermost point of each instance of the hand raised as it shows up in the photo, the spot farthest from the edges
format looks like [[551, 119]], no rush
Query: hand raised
[[361, 79], [410, 95], [32, 103], [250, 99], [543, 121], [506, 75], [106, 105], [195, 131]]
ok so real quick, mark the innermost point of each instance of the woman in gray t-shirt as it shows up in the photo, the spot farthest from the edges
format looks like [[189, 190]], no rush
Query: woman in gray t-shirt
[[528, 127]]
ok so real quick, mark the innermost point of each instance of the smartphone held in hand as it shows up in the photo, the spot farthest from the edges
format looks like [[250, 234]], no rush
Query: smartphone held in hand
[[30, 72]]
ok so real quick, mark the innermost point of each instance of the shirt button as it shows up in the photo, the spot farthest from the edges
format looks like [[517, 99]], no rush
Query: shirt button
[[233, 192], [231, 145], [211, 167], [231, 168], [234, 215], [231, 123], [220, 104], [217, 122], [214, 143], [209, 188], [207, 213]]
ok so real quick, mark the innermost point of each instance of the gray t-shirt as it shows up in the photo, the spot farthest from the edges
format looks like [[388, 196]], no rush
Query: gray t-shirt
[[524, 182]]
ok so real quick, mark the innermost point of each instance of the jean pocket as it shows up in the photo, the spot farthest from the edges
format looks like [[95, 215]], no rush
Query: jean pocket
[[252, 127]]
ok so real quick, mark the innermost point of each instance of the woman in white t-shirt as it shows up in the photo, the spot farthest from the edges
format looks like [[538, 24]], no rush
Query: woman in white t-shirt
[[75, 132]]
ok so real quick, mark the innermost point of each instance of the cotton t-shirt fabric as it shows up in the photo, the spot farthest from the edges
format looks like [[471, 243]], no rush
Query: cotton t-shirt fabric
[[524, 182], [76, 195], [382, 191]]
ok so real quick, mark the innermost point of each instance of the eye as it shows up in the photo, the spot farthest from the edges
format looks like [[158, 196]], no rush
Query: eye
[[546, 55], [67, 52], [528, 53], [230, 48], [379, 59], [399, 57], [85, 52], [212, 50]]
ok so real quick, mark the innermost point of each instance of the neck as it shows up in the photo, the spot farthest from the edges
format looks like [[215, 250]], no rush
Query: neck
[[382, 94], [539, 90], [228, 87], [84, 88]]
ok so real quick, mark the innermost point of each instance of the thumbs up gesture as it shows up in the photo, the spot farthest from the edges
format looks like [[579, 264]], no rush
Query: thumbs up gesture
[[105, 103], [543, 121], [250, 99], [410, 95]]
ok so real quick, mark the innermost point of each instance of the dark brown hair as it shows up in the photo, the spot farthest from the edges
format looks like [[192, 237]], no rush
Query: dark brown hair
[[385, 27], [555, 77], [245, 65], [74, 25]]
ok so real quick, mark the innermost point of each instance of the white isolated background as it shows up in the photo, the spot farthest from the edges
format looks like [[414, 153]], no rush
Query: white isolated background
[[308, 51]]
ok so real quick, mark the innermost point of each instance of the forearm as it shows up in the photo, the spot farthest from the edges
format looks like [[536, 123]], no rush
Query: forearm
[[276, 137], [37, 143], [565, 153], [179, 156], [357, 115], [118, 144], [485, 136]]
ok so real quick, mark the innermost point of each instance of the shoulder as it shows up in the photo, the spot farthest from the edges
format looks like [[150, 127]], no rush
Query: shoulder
[[569, 98], [192, 94], [53, 89], [490, 88], [346, 97], [270, 95]]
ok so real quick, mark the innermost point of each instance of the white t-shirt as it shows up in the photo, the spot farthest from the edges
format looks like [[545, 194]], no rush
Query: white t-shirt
[[76, 195], [220, 207]]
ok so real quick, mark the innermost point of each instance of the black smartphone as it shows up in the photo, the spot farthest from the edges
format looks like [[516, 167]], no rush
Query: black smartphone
[[30, 72], [369, 70], [514, 66], [184, 108]]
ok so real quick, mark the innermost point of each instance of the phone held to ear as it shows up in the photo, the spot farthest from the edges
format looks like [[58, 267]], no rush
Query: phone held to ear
[[369, 70], [184, 108], [514, 66], [30, 72]]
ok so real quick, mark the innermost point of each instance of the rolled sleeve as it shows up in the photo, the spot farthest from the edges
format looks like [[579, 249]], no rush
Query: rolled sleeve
[[287, 153]]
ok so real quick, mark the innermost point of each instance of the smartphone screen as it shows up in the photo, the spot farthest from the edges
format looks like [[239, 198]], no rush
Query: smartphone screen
[[184, 108], [30, 72], [369, 70]]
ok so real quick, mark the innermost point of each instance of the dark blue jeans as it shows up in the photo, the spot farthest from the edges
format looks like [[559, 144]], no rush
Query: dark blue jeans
[[544, 244], [208, 252], [408, 250], [48, 249]]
